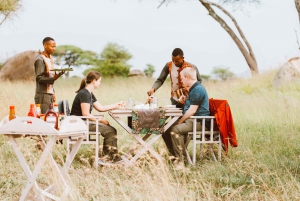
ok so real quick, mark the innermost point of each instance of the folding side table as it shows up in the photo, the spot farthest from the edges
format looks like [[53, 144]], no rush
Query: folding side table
[[30, 126]]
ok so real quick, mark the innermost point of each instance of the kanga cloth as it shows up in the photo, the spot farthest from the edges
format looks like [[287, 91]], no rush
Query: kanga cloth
[[150, 121]]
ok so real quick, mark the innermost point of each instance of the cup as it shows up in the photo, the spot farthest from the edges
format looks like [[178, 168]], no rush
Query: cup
[[155, 103], [130, 103]]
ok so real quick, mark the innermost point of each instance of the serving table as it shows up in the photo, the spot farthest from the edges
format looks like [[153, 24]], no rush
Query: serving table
[[30, 126], [171, 113]]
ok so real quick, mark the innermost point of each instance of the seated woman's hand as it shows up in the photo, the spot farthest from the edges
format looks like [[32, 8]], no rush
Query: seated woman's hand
[[121, 104]]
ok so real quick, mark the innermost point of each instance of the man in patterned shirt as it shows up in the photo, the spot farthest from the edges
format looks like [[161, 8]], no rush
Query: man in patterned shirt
[[174, 68]]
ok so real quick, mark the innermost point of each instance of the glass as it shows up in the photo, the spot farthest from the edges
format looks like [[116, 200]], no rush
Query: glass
[[130, 103], [155, 103], [38, 110]]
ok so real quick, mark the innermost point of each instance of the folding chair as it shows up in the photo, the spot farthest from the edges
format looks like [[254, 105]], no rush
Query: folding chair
[[209, 136], [91, 137]]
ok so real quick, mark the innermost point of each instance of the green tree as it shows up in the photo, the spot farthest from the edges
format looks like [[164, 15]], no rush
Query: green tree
[[223, 73], [69, 55], [149, 70], [8, 8], [205, 77], [113, 61]]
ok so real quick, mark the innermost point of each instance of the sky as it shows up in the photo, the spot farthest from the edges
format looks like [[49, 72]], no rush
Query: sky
[[151, 34]]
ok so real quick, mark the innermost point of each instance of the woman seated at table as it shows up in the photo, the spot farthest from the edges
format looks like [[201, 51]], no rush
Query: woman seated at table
[[83, 104]]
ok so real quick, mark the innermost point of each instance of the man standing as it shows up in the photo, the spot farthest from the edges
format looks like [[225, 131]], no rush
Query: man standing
[[174, 68], [196, 104], [44, 92]]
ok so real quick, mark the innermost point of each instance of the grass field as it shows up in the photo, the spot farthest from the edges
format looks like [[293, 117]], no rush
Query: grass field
[[265, 165]]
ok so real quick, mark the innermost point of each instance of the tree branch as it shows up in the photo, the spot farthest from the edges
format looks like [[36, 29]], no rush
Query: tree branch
[[249, 58], [237, 27], [161, 4], [5, 17]]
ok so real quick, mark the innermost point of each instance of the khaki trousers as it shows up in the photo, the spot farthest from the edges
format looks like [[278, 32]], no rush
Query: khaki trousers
[[44, 100], [176, 136], [110, 145]]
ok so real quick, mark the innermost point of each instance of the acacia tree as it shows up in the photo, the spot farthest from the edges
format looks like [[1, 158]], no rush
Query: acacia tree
[[223, 73], [70, 55], [149, 70], [297, 4], [8, 8], [245, 47], [113, 61]]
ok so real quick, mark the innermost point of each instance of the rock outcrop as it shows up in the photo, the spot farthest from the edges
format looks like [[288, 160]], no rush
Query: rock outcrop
[[289, 72]]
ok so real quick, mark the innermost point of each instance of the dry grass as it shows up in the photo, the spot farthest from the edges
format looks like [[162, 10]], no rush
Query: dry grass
[[265, 166]]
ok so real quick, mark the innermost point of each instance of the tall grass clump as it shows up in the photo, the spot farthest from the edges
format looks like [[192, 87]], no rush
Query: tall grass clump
[[265, 165]]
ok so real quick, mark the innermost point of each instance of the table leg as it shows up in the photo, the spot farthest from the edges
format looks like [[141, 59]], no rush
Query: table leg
[[38, 168], [142, 141], [147, 147], [71, 156], [24, 164], [62, 176]]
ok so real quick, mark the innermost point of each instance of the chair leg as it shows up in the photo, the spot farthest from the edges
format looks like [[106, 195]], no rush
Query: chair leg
[[69, 145], [219, 151], [186, 150], [200, 152], [212, 152]]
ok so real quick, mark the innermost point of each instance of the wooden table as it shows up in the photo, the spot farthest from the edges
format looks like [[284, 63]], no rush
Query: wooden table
[[30, 126], [172, 113]]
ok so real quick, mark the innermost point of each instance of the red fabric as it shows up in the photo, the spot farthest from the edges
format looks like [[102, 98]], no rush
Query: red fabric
[[224, 120]]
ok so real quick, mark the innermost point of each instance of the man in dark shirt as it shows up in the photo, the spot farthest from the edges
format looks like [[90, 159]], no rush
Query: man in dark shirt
[[44, 93], [196, 104], [174, 68]]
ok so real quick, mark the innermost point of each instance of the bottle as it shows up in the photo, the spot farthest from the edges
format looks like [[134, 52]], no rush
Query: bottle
[[55, 107], [51, 117], [12, 114], [31, 112], [38, 110], [154, 103]]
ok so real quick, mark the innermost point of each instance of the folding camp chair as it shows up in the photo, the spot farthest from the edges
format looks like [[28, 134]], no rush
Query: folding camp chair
[[204, 136], [91, 137]]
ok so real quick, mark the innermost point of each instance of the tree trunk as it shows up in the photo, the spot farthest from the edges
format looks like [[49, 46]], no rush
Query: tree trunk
[[247, 52], [297, 4]]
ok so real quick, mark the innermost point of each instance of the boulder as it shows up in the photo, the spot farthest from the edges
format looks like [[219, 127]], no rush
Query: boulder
[[20, 67], [136, 72], [289, 72]]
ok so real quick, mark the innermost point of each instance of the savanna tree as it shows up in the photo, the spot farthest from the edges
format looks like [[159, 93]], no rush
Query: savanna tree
[[8, 8], [69, 55], [149, 70], [223, 73], [113, 61], [244, 46]]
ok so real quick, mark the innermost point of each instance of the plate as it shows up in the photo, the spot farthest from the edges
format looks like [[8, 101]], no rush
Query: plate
[[173, 108], [170, 106]]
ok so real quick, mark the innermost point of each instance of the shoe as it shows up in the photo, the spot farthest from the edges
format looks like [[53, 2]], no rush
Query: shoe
[[104, 163]]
